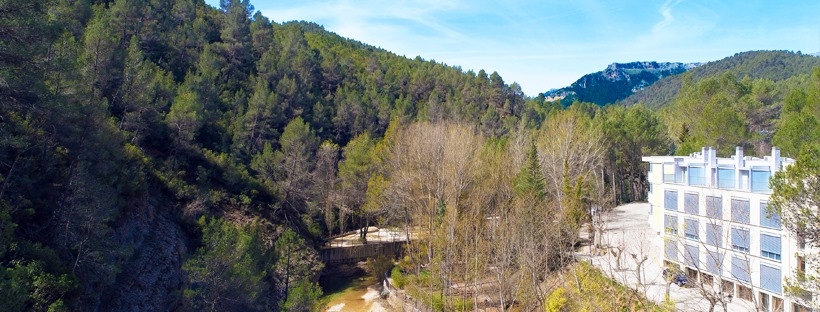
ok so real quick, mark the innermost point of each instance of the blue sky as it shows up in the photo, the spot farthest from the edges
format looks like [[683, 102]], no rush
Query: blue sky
[[549, 44]]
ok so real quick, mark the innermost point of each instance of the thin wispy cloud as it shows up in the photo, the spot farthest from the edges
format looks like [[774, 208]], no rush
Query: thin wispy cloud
[[549, 44], [666, 12]]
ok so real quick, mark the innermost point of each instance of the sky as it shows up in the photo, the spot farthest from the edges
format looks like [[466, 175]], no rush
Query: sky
[[543, 45]]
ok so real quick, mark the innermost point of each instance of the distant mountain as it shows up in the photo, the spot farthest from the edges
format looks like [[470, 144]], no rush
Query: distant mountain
[[772, 65], [617, 82]]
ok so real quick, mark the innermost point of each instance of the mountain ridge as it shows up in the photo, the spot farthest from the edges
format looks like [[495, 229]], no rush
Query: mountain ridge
[[772, 65], [617, 81]]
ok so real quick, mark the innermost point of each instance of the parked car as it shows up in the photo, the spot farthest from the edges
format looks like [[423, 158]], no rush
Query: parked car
[[678, 278]]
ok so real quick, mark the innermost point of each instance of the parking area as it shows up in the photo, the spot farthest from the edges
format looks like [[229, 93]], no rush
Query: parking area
[[627, 227]]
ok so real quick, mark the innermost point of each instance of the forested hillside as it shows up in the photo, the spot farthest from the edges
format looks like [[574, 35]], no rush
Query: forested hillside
[[775, 66], [162, 154], [168, 155], [753, 100]]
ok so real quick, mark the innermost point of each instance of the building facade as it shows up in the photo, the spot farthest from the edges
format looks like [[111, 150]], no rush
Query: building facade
[[713, 217]]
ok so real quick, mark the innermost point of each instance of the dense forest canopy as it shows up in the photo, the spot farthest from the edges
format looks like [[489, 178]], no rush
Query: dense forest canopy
[[163, 155]]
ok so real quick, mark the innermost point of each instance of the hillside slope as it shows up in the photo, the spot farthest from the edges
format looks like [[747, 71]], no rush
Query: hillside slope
[[771, 65], [157, 155]]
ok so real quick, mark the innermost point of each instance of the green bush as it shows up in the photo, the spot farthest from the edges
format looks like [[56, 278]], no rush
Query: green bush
[[398, 278], [378, 267], [557, 300]]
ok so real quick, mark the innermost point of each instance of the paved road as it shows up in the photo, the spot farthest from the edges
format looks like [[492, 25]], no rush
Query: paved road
[[628, 226]]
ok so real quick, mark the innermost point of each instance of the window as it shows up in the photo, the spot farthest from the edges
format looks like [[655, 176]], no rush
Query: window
[[714, 261], [740, 210], [690, 203], [740, 239], [670, 199], [691, 256], [697, 176], [770, 246], [714, 235], [760, 180], [777, 304], [690, 228], [740, 269], [726, 178], [670, 224], [671, 249], [744, 292], [764, 301], [727, 287], [770, 279], [692, 274], [769, 219], [706, 279], [714, 207]]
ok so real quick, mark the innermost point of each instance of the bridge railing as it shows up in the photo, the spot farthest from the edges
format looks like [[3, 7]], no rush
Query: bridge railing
[[335, 255]]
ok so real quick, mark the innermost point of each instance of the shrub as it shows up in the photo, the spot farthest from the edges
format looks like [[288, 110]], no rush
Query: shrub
[[557, 300], [379, 266], [398, 278]]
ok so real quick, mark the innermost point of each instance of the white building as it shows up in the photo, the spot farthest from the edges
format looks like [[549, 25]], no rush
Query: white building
[[712, 215]]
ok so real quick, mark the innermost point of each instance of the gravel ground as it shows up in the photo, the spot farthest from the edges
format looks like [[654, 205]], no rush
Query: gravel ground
[[628, 226]]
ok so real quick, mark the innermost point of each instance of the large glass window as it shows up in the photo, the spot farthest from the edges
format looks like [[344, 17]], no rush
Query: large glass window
[[690, 203], [760, 181], [740, 269], [714, 262], [691, 228], [714, 207], [697, 176], [726, 178], [770, 279], [691, 256], [670, 224], [714, 235], [671, 249], [767, 219], [670, 199], [740, 239], [770, 246], [740, 210]]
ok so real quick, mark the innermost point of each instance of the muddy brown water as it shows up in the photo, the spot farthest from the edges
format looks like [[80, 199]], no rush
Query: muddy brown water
[[348, 297]]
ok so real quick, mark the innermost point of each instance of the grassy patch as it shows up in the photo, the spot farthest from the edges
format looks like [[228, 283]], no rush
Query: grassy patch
[[590, 290]]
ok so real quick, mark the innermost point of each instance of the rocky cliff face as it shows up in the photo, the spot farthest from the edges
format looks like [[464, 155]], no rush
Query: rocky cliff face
[[151, 279], [616, 82]]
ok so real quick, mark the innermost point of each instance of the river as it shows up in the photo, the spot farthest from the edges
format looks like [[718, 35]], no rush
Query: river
[[346, 287], [355, 295]]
